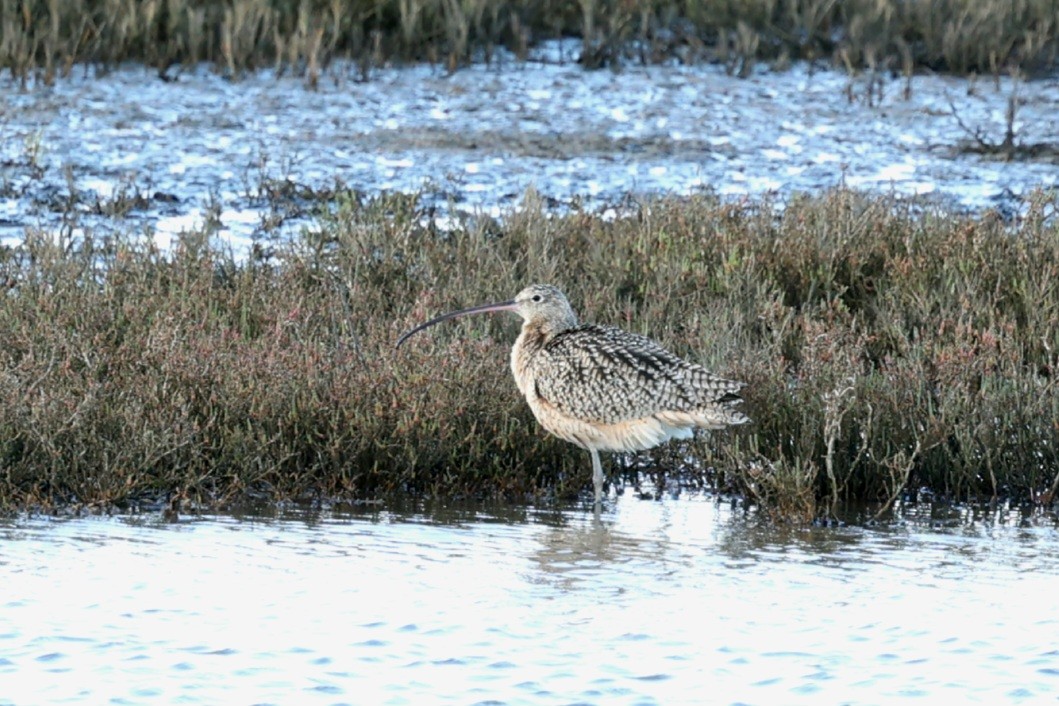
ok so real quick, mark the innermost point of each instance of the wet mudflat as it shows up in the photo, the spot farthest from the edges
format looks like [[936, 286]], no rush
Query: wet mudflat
[[244, 155], [656, 602]]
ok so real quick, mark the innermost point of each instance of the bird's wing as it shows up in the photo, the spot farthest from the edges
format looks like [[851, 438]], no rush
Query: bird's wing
[[605, 375]]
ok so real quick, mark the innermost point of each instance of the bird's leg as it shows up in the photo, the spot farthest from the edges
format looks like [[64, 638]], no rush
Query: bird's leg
[[597, 476]]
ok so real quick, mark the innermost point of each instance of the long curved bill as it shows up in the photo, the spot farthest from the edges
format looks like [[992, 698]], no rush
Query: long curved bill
[[502, 306]]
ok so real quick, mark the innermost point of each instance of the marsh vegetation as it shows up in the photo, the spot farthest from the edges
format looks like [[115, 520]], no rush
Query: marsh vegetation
[[893, 350], [46, 39], [889, 351]]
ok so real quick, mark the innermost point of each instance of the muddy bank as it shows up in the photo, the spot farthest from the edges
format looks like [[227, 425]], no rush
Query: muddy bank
[[128, 152]]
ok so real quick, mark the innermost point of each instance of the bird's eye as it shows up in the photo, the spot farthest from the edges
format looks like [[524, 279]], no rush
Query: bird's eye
[[537, 298]]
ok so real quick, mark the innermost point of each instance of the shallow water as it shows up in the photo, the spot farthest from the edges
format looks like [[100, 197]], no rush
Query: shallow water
[[477, 139], [657, 602]]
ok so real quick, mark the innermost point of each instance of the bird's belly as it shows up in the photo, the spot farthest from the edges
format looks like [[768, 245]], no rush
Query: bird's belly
[[627, 435]]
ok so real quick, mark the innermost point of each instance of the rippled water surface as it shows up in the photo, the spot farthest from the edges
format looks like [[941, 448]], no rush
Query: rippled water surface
[[655, 602]]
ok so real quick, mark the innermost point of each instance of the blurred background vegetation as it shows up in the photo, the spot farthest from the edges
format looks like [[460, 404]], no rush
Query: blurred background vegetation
[[47, 38]]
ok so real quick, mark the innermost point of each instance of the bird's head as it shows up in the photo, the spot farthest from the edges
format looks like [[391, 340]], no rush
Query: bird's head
[[545, 306], [540, 305]]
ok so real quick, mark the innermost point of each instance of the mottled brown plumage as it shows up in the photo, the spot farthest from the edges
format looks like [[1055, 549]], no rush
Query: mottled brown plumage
[[602, 388]]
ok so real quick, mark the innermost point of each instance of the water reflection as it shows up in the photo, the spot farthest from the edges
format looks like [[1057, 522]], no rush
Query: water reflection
[[566, 554], [651, 602]]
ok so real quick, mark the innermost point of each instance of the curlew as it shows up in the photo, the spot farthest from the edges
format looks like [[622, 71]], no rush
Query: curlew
[[602, 388]]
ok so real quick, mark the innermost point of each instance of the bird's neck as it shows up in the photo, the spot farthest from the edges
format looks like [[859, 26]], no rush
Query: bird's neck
[[537, 332], [534, 337]]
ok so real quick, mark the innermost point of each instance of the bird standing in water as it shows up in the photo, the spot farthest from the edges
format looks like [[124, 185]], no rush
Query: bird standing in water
[[602, 388]]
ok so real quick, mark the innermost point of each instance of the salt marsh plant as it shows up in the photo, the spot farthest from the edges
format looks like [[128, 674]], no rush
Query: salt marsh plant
[[888, 348], [46, 38]]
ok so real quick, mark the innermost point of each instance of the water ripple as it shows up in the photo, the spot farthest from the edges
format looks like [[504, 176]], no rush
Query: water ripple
[[656, 602]]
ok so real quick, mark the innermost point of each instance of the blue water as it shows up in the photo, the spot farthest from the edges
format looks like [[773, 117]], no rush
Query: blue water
[[678, 601]]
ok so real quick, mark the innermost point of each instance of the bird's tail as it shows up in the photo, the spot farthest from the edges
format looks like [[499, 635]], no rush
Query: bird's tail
[[728, 404], [716, 416]]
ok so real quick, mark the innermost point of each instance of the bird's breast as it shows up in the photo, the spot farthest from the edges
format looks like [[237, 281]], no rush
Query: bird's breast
[[524, 358]]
